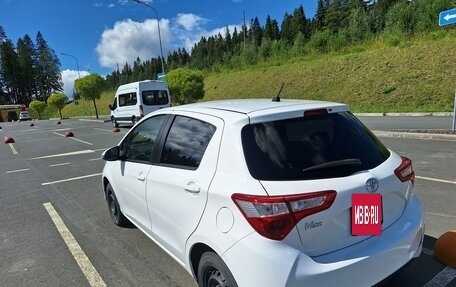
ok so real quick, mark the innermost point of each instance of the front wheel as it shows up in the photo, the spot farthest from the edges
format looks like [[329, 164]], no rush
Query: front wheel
[[213, 272], [114, 208], [114, 122]]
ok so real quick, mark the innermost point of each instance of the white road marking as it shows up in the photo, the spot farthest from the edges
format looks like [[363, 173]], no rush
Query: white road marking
[[94, 159], [81, 141], [441, 214], [18, 170], [64, 154], [104, 130], [73, 138], [443, 278], [428, 251], [58, 134], [13, 148], [71, 179], [100, 149], [59, 164], [436, 179], [79, 255], [59, 130]]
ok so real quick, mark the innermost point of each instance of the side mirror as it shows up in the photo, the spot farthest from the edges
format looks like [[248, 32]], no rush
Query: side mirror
[[111, 154], [111, 108]]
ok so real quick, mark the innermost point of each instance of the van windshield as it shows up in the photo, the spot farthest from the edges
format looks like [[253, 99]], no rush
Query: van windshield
[[155, 97]]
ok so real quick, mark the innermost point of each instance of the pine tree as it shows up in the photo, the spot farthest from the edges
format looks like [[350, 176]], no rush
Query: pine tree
[[271, 29], [48, 77], [26, 58], [9, 71], [256, 32]]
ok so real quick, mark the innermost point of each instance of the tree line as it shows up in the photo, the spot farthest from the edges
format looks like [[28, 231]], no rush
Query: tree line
[[28, 70], [31, 70], [335, 25]]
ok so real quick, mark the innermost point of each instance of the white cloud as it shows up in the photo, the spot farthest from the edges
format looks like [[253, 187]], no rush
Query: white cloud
[[111, 5], [68, 78], [190, 21], [128, 40]]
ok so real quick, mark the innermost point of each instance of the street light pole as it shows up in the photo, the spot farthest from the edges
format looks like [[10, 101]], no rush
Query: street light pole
[[159, 34], [79, 75]]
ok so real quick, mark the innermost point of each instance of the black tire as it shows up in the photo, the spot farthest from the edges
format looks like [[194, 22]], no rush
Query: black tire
[[114, 208], [114, 122], [213, 272]]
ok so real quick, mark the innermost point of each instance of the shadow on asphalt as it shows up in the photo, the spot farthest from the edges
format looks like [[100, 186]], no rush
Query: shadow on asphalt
[[419, 271]]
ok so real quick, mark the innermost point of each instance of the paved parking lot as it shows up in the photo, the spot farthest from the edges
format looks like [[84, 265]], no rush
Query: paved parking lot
[[55, 229]]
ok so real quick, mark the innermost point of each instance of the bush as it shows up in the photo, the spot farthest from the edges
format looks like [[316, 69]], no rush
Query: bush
[[320, 40]]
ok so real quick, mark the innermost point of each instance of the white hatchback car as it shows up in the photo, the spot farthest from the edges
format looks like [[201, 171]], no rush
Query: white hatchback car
[[267, 193]]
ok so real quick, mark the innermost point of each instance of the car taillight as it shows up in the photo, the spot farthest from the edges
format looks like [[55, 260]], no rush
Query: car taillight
[[405, 171], [141, 111], [275, 216]]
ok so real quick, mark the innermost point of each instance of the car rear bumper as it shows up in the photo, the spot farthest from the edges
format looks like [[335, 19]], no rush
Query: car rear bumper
[[274, 263]]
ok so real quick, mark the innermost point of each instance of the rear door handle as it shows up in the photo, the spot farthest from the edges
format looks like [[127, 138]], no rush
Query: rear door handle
[[192, 187], [141, 176]]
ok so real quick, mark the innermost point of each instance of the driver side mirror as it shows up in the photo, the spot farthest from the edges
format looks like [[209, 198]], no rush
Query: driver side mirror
[[110, 107], [111, 154]]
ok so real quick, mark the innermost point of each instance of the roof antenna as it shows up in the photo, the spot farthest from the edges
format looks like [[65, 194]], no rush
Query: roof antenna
[[277, 98]]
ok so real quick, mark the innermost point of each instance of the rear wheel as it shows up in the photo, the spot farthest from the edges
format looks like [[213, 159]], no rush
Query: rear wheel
[[213, 272], [114, 208]]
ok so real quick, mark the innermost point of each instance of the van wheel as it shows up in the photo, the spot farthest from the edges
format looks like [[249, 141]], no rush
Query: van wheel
[[114, 122], [212, 271]]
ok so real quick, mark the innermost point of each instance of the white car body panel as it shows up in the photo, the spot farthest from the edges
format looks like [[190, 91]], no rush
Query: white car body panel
[[178, 219], [176, 197]]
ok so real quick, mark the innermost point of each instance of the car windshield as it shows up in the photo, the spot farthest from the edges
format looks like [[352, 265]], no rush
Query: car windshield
[[311, 147]]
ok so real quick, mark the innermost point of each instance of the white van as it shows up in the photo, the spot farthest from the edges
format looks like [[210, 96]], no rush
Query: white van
[[135, 100]]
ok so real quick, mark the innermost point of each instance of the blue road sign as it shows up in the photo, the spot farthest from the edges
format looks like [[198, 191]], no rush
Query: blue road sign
[[447, 17], [160, 76]]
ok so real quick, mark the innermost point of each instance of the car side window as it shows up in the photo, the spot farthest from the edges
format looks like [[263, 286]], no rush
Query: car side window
[[128, 99], [138, 146], [186, 142]]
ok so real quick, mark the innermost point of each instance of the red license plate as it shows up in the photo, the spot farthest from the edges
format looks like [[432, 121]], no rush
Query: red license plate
[[366, 214]]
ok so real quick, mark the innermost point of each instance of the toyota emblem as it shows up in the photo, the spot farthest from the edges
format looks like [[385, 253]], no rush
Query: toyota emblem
[[372, 185]]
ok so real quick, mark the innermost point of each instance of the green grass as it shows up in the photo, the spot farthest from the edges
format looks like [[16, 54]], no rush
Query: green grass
[[82, 109], [387, 74], [384, 75]]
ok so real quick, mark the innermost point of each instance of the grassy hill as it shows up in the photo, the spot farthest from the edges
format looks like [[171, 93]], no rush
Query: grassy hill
[[385, 75]]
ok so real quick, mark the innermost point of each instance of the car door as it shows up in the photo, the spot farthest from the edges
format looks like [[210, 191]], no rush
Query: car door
[[177, 186], [136, 151]]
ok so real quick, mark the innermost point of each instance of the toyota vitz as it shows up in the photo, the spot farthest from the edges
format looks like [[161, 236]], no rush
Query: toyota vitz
[[267, 193]]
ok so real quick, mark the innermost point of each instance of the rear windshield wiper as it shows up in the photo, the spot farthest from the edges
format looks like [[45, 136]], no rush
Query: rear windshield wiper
[[336, 163]]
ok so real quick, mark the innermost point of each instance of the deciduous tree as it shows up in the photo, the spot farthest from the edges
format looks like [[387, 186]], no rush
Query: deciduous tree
[[39, 107], [90, 88], [185, 85], [58, 101]]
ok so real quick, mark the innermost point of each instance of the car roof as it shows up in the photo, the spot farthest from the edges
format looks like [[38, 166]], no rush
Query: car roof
[[249, 106]]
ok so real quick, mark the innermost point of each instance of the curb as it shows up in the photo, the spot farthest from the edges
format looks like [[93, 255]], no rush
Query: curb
[[424, 114], [412, 135]]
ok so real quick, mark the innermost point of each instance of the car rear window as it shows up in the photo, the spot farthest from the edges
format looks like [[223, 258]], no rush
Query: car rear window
[[311, 147]]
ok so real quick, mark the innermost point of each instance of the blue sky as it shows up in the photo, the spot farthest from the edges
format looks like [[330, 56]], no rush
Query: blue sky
[[103, 33]]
